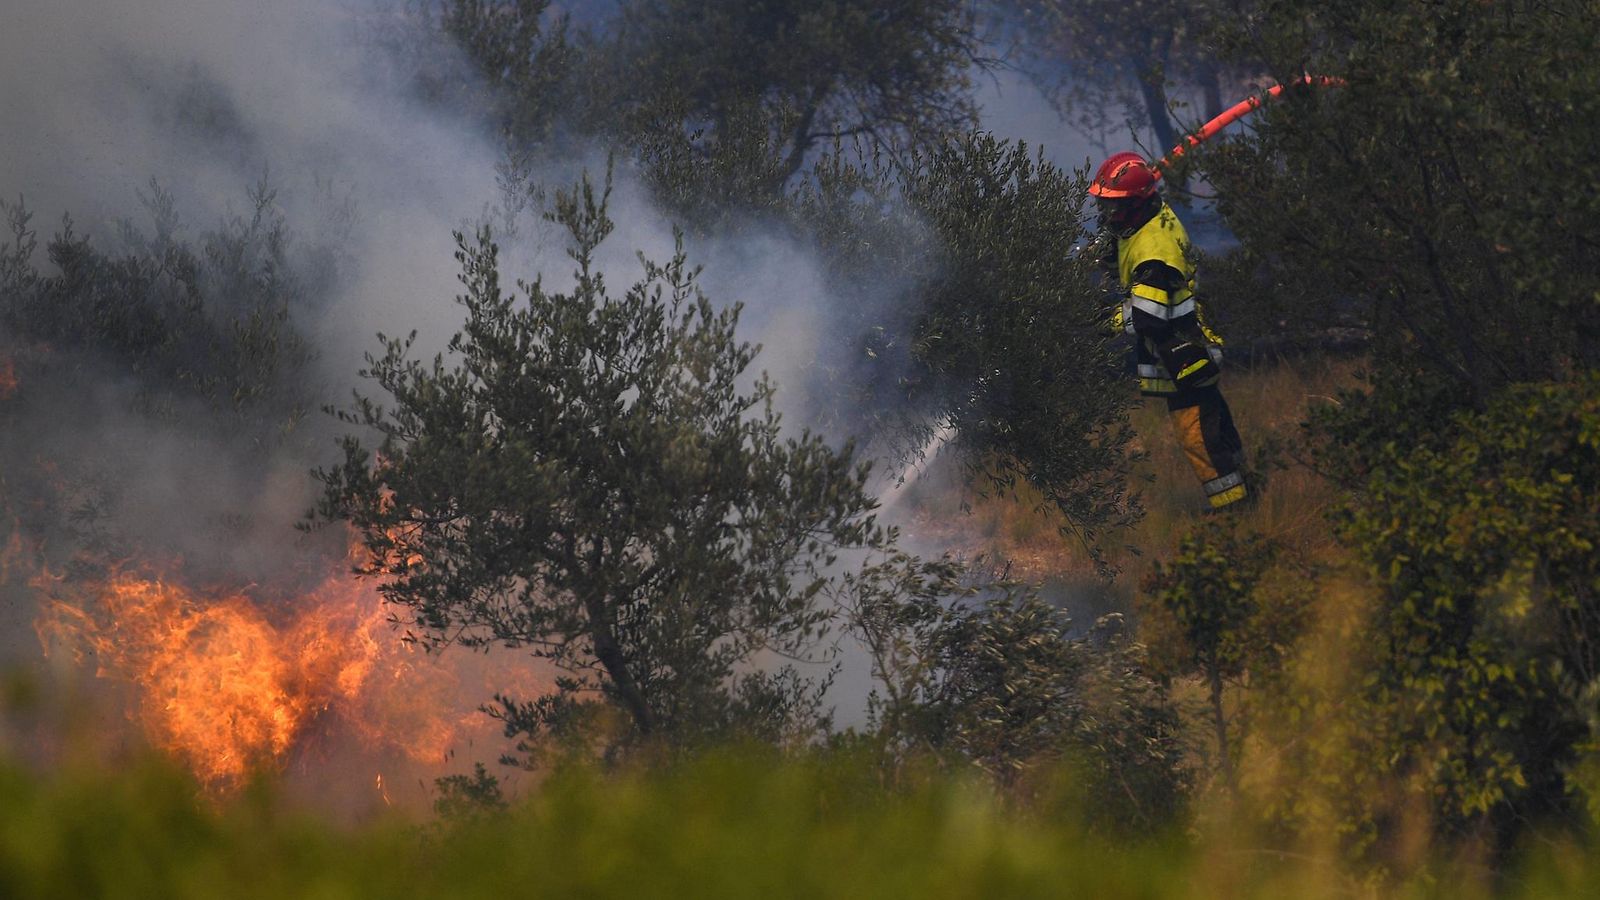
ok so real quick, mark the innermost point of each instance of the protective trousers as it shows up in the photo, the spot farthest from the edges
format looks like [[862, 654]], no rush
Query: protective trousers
[[1210, 441]]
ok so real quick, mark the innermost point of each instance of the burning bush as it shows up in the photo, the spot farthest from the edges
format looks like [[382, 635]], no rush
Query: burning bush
[[227, 688]]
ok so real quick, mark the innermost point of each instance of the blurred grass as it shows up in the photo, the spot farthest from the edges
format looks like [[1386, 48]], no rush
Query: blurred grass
[[732, 824]]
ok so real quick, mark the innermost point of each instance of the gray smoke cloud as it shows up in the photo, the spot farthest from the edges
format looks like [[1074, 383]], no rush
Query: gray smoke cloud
[[1012, 107], [207, 97]]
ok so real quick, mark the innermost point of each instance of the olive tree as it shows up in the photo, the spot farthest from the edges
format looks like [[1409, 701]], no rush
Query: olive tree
[[598, 479], [1439, 193], [727, 101], [996, 345]]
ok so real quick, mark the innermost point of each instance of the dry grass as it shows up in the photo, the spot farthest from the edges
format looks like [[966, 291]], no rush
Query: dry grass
[[1297, 737], [1268, 402]]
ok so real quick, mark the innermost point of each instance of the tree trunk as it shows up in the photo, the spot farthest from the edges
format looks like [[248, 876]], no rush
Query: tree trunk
[[1210, 89], [609, 653], [606, 648], [1155, 104], [800, 139], [1149, 70], [1220, 720]]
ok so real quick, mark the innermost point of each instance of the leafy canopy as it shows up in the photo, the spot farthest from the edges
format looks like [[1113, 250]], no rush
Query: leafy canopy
[[598, 479], [1444, 191], [800, 74], [1008, 349]]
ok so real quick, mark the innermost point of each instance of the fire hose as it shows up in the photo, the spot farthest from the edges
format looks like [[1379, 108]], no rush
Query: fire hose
[[1210, 129], [1236, 112], [1096, 246]]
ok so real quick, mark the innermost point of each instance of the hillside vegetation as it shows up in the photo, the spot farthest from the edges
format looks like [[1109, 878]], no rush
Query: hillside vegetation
[[1380, 679]]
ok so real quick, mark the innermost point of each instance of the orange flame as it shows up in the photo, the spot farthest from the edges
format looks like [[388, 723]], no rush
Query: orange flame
[[216, 689], [227, 690]]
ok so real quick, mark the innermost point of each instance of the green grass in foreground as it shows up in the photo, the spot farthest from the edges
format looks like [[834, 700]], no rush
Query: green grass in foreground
[[745, 826]]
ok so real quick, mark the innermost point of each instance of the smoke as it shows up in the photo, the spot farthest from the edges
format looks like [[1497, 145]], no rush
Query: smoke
[[112, 107], [206, 98], [1012, 107]]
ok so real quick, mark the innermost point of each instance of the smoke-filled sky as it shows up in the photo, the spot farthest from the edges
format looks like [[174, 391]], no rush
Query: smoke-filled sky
[[207, 95]]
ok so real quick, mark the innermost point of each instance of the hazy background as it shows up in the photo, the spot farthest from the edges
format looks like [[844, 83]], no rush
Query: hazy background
[[109, 105]]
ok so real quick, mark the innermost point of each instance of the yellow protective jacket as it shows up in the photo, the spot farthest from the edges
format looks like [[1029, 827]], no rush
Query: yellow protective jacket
[[1156, 270], [1164, 240]]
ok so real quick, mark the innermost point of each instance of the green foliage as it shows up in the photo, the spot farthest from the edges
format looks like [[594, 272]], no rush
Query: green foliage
[[1484, 543], [1419, 193], [1426, 188], [1096, 56], [726, 106], [1010, 349], [465, 796], [1356, 434], [992, 332], [725, 826], [703, 86], [149, 833], [208, 320], [1206, 611], [722, 104], [987, 673], [1205, 604], [596, 478], [150, 335], [523, 58]]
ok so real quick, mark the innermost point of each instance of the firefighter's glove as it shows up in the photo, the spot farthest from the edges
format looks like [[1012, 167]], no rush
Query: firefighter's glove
[[1189, 361]]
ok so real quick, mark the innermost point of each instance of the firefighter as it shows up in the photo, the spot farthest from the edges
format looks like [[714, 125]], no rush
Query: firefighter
[[1178, 357]]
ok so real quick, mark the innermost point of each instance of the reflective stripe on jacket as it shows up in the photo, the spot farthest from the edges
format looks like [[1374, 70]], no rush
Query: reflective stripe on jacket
[[1163, 240], [1162, 309]]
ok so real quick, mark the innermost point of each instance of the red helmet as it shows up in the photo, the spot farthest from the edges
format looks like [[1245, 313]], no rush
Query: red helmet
[[1125, 174]]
